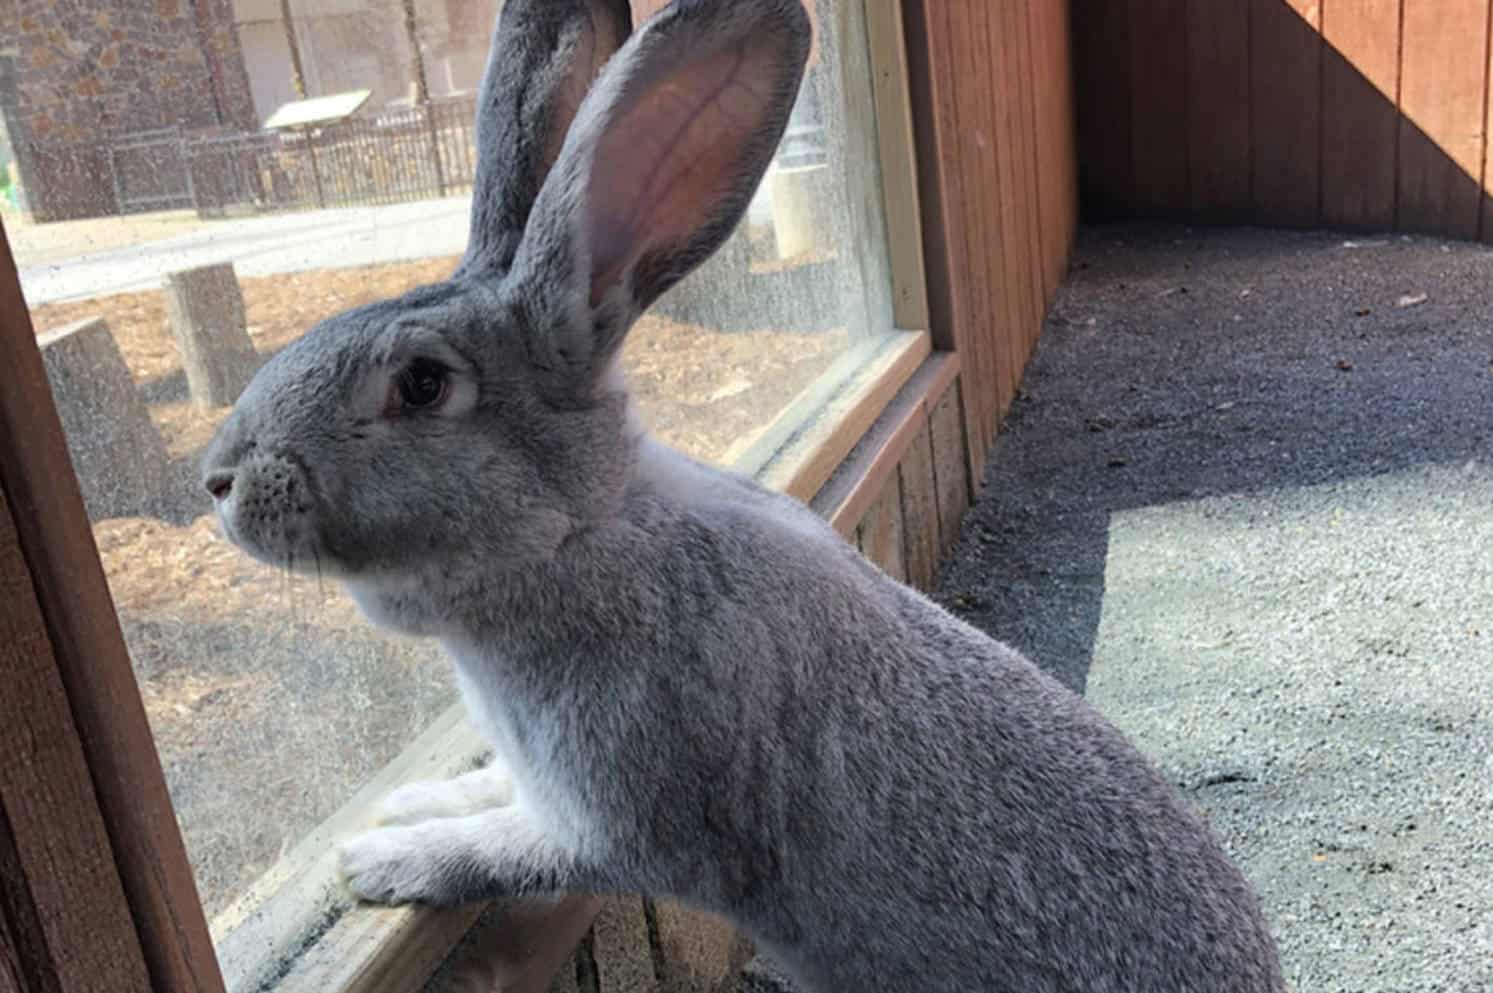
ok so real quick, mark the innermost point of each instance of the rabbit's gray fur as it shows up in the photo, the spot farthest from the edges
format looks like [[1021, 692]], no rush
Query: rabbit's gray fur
[[697, 688]]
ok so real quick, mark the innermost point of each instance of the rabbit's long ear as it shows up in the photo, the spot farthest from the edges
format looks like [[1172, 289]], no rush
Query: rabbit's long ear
[[659, 167], [543, 58]]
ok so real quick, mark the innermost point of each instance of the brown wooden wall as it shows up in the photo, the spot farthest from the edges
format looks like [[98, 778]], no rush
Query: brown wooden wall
[[1310, 113], [993, 113], [913, 521], [901, 495]]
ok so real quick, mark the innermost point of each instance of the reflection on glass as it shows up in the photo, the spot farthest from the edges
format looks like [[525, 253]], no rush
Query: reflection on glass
[[270, 699]]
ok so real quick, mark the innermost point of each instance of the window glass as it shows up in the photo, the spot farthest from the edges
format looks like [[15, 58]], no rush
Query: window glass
[[148, 188]]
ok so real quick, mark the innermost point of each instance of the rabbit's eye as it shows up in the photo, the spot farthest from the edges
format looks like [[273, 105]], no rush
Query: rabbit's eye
[[423, 383]]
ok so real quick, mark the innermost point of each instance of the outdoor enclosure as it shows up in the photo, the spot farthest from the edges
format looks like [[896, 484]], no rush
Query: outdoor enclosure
[[1368, 114], [196, 730]]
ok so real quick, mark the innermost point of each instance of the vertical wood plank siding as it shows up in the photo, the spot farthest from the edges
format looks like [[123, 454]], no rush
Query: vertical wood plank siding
[[1443, 72], [992, 92], [1055, 149], [1159, 72], [1361, 83], [1357, 114], [1215, 99]]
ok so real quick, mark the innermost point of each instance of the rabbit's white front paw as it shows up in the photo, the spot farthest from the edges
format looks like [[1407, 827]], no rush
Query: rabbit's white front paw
[[399, 865], [499, 852], [479, 790]]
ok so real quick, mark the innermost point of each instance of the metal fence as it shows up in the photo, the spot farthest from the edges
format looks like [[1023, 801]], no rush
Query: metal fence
[[394, 155], [151, 172]]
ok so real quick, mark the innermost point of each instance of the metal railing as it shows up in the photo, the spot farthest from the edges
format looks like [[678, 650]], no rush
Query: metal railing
[[400, 154]]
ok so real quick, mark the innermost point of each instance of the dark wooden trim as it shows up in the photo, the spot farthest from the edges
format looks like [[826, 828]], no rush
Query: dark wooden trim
[[67, 924], [94, 669], [942, 188], [860, 478], [991, 87], [1101, 73], [932, 181]]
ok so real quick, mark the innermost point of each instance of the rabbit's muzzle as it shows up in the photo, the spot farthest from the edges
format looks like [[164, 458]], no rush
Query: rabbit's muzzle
[[265, 505]]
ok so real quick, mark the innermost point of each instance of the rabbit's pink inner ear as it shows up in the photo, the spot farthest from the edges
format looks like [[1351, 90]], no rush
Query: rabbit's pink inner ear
[[593, 48], [676, 152]]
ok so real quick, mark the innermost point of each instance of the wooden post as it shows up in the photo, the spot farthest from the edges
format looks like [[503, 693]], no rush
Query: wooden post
[[117, 453], [206, 310]]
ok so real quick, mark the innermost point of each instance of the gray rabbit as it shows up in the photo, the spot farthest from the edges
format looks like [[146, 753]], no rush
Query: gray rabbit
[[696, 688]]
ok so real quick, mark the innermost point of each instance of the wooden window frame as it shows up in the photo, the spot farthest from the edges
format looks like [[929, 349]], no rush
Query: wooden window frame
[[98, 890], [148, 907]]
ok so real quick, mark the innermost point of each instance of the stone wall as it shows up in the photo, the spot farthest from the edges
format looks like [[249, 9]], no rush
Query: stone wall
[[84, 72], [225, 58]]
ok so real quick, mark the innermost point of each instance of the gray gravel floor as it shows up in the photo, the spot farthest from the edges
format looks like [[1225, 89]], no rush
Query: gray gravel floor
[[1245, 501]]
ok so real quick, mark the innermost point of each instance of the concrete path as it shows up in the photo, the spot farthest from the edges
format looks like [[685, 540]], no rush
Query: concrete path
[[262, 246], [1246, 502]]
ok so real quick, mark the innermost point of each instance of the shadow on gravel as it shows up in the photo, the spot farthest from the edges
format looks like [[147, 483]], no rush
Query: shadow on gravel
[[1186, 363]]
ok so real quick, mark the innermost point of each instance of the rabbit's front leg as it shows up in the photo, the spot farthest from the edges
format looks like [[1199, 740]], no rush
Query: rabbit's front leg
[[478, 790], [449, 861]]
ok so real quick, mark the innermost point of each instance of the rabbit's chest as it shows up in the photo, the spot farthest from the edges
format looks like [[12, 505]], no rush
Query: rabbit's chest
[[547, 768]]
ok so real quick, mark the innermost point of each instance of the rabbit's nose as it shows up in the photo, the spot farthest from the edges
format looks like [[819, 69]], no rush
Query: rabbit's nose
[[219, 483]]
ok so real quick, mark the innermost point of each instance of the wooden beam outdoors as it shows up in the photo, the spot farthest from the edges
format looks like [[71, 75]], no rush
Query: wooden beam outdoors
[[89, 659], [66, 924]]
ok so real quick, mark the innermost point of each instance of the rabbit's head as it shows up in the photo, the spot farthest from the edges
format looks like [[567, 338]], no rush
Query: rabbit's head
[[481, 418]]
